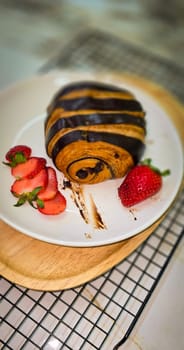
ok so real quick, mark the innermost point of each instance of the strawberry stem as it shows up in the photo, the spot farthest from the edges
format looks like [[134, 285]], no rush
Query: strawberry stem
[[18, 158], [30, 197], [148, 162]]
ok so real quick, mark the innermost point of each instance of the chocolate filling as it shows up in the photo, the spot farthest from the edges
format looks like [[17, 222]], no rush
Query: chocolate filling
[[104, 104]]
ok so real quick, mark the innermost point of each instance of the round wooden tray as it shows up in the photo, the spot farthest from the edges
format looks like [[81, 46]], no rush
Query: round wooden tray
[[43, 266]]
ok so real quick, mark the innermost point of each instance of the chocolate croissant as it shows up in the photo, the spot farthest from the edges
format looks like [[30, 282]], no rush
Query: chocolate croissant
[[94, 131]]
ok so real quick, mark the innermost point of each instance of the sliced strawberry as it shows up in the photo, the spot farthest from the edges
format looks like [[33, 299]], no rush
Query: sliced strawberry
[[52, 185], [18, 154], [28, 189], [28, 169], [54, 206]]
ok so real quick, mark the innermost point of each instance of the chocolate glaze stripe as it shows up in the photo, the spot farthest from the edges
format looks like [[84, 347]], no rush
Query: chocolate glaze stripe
[[89, 85], [106, 104], [52, 118], [94, 119], [134, 146]]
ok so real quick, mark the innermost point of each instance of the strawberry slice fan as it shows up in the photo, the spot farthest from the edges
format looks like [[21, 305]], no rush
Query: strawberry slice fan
[[35, 182]]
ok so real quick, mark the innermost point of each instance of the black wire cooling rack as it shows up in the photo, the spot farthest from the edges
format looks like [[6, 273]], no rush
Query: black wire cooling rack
[[105, 310]]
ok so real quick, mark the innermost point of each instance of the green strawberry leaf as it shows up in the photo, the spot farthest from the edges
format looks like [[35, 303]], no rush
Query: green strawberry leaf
[[40, 203], [148, 162], [18, 158], [20, 201], [32, 196], [32, 204], [7, 163]]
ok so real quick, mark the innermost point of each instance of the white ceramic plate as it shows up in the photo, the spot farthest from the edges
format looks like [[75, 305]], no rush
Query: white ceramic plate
[[22, 113]]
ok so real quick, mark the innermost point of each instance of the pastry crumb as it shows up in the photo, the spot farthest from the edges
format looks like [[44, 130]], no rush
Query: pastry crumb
[[88, 235], [132, 211]]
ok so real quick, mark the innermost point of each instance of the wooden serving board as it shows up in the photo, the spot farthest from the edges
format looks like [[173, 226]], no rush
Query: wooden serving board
[[43, 266]]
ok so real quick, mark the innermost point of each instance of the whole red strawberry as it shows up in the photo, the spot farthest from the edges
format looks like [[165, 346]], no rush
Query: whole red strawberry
[[142, 182]]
